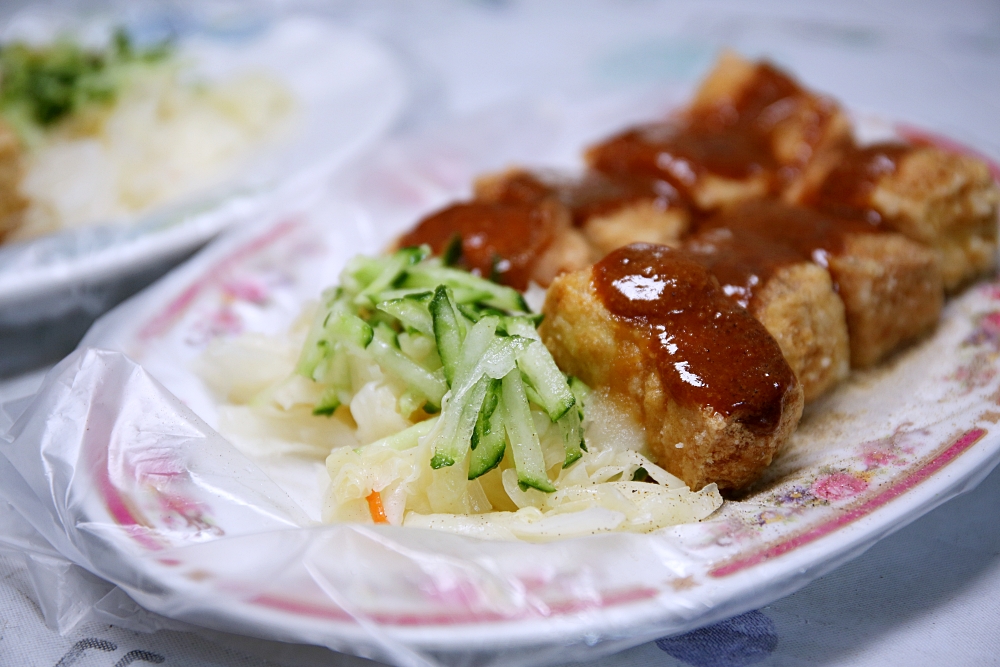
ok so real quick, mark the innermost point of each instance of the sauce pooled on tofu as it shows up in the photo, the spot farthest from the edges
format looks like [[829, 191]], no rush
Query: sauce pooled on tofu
[[847, 190], [733, 140], [742, 261], [594, 194], [812, 235], [709, 350], [500, 240]]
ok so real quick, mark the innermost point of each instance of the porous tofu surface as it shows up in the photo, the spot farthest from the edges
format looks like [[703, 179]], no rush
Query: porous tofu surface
[[948, 201], [892, 292], [692, 439], [800, 308], [751, 131]]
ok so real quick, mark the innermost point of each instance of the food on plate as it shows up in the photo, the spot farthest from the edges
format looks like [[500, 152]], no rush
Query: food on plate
[[104, 134], [610, 212], [891, 286], [946, 201], [434, 402], [751, 131], [706, 277], [795, 299], [655, 330], [515, 242]]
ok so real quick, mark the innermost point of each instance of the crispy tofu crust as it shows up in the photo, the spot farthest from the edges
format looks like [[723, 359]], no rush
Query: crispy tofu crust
[[944, 200], [587, 341], [610, 214], [892, 292], [751, 131], [947, 201], [800, 309]]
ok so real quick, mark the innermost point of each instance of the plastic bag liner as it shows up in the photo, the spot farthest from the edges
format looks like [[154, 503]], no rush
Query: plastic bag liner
[[121, 479], [124, 481]]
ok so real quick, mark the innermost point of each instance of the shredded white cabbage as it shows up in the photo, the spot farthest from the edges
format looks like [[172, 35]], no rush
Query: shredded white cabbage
[[163, 138], [369, 446]]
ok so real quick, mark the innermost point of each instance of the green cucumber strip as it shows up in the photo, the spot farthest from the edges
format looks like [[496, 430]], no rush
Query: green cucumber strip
[[521, 326], [350, 329], [458, 419], [411, 311], [316, 347], [477, 341], [328, 402], [394, 268], [447, 331], [489, 441], [547, 381], [408, 438], [528, 459], [414, 376], [490, 403], [453, 251], [498, 360], [431, 274], [572, 435], [389, 295], [360, 272]]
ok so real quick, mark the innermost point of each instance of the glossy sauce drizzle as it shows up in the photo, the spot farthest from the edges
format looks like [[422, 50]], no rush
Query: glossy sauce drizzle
[[741, 260], [847, 190], [708, 350], [499, 240], [594, 194], [812, 235], [733, 139]]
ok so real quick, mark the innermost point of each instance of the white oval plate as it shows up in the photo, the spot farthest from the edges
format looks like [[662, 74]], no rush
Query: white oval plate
[[347, 90], [197, 532]]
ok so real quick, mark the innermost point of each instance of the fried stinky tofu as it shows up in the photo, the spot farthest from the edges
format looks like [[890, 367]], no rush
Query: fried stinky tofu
[[609, 212], [752, 131], [891, 286], [947, 201], [654, 329], [12, 203], [791, 296], [515, 243]]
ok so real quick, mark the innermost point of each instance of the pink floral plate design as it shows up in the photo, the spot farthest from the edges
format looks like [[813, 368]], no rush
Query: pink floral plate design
[[880, 451]]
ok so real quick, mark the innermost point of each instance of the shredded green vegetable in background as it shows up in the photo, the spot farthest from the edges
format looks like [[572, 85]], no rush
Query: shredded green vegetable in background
[[39, 86], [463, 346]]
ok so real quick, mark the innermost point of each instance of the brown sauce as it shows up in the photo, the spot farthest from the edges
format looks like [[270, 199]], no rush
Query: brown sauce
[[733, 140], [742, 261], [847, 190], [593, 195], [812, 235], [708, 350], [499, 240]]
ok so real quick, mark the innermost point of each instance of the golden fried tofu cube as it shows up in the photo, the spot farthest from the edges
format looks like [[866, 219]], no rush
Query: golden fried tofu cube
[[693, 439], [610, 213], [891, 286], [947, 201], [892, 292], [750, 131], [791, 296], [944, 200], [800, 308]]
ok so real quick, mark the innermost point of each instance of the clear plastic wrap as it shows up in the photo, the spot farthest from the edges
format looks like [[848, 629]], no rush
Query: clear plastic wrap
[[117, 467]]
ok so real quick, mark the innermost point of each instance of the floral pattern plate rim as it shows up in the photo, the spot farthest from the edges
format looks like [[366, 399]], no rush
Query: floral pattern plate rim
[[882, 450]]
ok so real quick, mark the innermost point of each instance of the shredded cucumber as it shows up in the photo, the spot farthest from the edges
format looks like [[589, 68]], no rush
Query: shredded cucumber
[[459, 344]]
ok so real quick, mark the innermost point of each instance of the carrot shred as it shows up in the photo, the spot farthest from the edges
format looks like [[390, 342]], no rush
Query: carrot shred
[[375, 507]]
